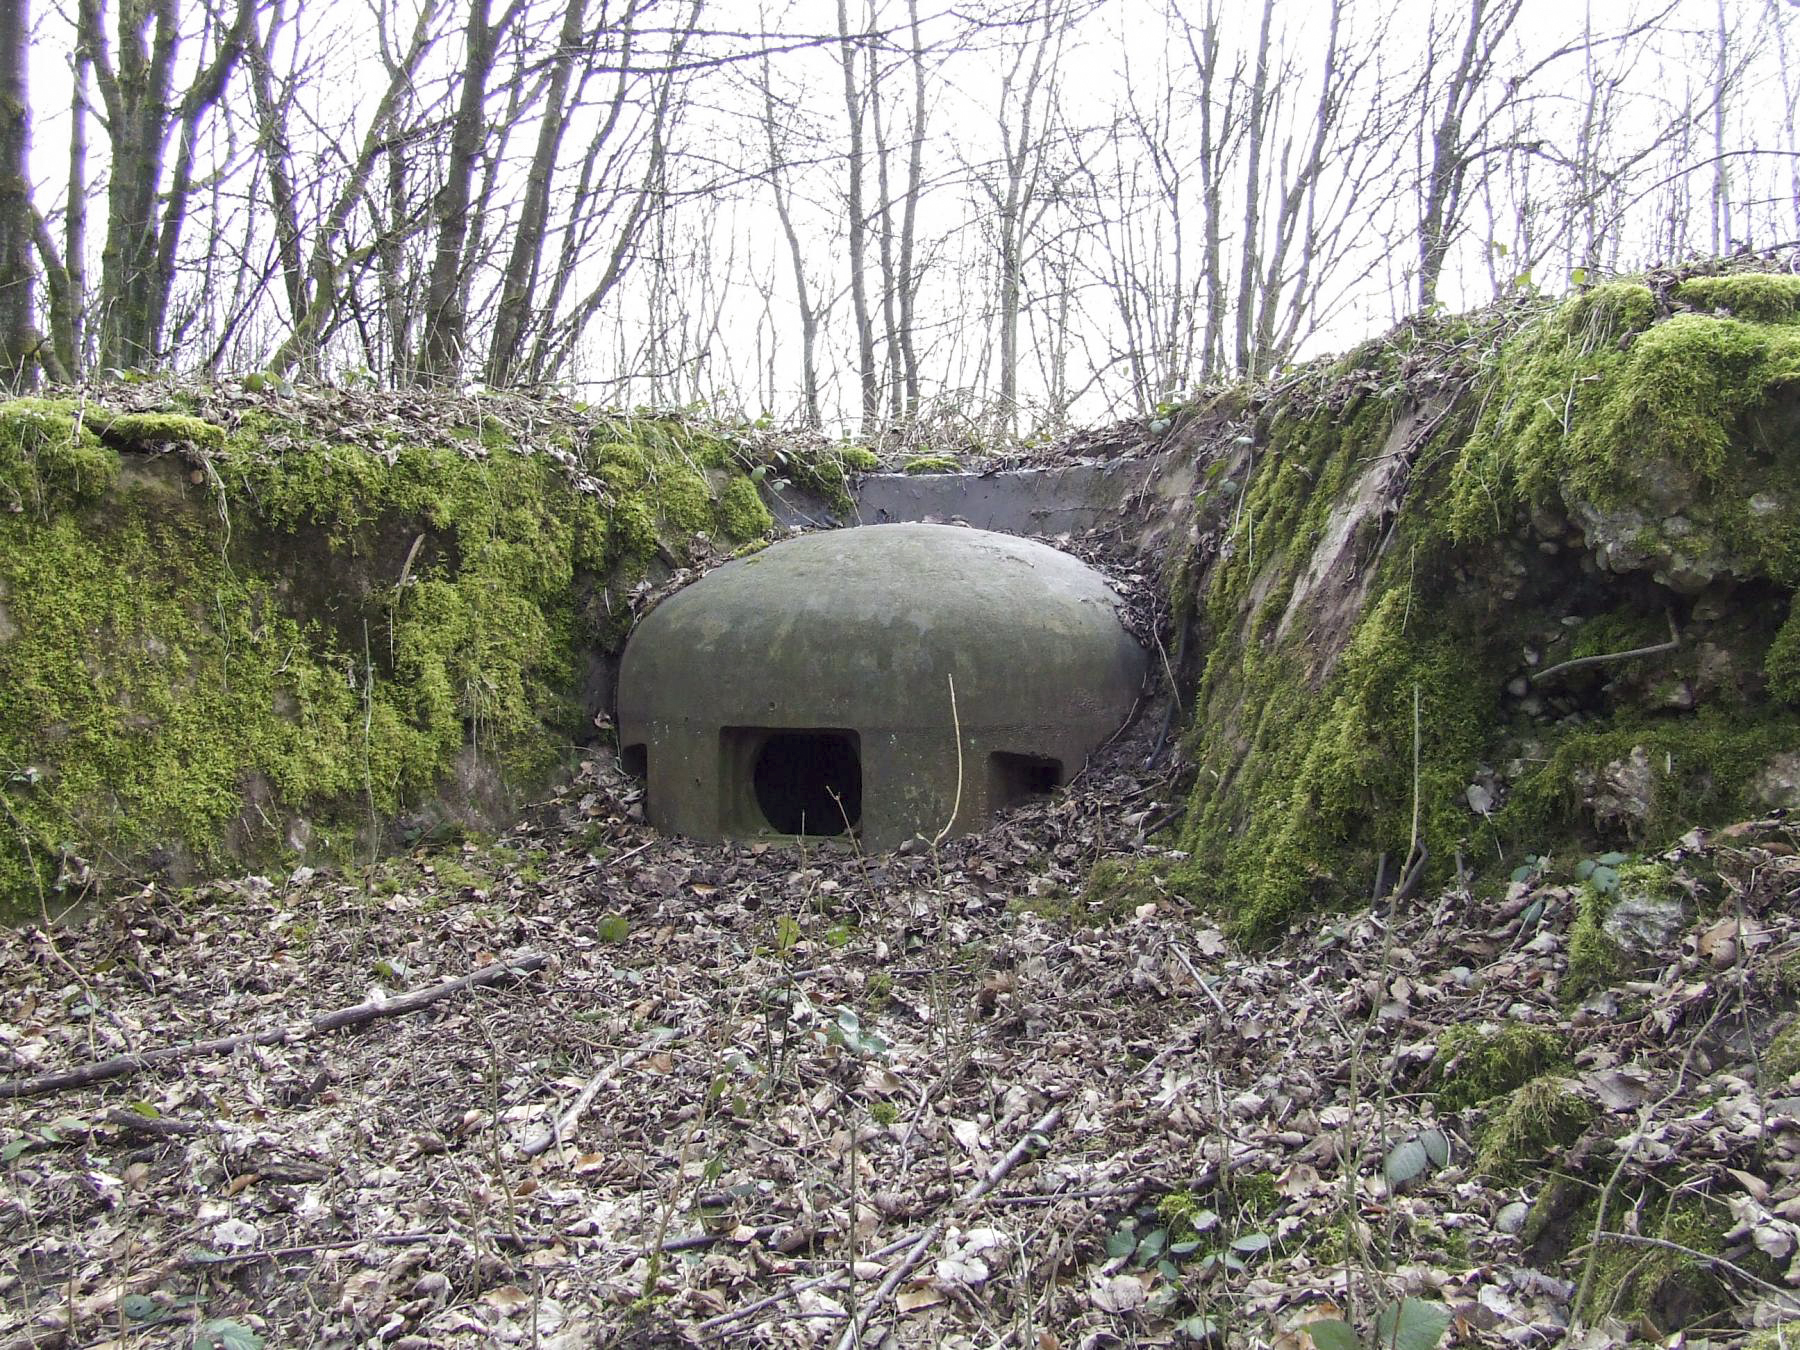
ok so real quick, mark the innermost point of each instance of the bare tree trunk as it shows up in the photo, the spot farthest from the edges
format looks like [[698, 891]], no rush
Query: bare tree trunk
[[1452, 144], [446, 321], [18, 336], [277, 159], [1022, 149], [859, 247], [65, 273], [331, 265], [1295, 221], [1778, 23], [648, 202], [1720, 199], [809, 314], [1212, 163], [72, 334], [145, 217], [1257, 129], [884, 234], [909, 281], [519, 280]]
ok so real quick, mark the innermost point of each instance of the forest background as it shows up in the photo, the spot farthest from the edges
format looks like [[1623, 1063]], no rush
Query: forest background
[[960, 223]]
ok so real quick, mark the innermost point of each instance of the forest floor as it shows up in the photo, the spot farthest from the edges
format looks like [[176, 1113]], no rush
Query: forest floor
[[939, 1096]]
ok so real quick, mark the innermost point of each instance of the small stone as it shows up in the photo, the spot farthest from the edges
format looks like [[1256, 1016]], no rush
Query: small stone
[[1532, 706], [1711, 606], [1716, 669], [1685, 575], [1764, 504], [1480, 800], [1518, 686], [1778, 785], [1532, 656], [1679, 696], [1549, 524], [1620, 793], [1511, 1218], [1647, 924]]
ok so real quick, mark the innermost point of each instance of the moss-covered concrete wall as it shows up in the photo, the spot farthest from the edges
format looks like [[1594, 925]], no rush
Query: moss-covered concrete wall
[[239, 627], [1490, 514]]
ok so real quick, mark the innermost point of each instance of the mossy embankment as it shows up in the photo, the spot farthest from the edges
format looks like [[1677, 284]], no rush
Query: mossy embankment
[[1555, 547], [237, 628]]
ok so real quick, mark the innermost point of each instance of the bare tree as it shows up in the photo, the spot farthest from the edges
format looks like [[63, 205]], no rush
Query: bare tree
[[336, 257], [445, 332], [907, 280], [621, 187], [1017, 185], [781, 193], [147, 195], [518, 282], [858, 228], [18, 335]]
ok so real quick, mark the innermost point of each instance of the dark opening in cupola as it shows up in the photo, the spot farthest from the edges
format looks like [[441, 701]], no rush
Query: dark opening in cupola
[[802, 782], [1016, 779]]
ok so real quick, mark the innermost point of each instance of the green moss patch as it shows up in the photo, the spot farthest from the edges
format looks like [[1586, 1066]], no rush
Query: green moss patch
[[317, 638], [155, 431], [1540, 1118], [1786, 1336], [1763, 298], [1666, 1289], [50, 458], [1597, 465], [1477, 1063], [742, 514], [1781, 1061]]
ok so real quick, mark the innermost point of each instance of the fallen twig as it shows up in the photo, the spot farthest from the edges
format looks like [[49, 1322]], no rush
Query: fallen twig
[[725, 1319], [853, 1333], [1200, 980], [356, 1015], [541, 1138], [1581, 662], [306, 1249], [915, 1247]]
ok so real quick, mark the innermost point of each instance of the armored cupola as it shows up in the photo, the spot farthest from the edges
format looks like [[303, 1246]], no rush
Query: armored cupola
[[807, 689]]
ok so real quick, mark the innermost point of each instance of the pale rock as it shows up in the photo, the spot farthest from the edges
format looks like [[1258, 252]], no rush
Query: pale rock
[[1778, 785], [1620, 793], [1647, 924]]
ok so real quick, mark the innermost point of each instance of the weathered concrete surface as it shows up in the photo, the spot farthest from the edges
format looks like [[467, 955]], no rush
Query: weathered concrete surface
[[786, 672], [1139, 496]]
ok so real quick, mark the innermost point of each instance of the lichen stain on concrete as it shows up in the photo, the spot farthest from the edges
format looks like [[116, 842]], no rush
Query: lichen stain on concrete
[[807, 689]]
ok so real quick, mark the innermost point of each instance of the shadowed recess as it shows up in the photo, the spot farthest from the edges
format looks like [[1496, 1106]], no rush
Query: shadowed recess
[[809, 782]]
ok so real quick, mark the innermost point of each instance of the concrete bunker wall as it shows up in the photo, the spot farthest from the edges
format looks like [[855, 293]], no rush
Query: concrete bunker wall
[[807, 689]]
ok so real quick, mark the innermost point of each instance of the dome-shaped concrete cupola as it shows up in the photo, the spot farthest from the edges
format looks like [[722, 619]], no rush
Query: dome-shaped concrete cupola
[[806, 689]]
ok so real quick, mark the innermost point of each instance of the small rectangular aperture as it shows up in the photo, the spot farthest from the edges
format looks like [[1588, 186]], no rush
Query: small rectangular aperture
[[1016, 779]]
